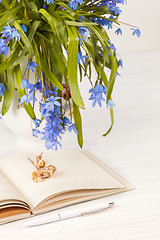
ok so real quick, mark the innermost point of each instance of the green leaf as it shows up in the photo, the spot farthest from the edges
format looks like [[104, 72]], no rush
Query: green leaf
[[60, 29], [72, 66], [114, 67], [80, 23], [112, 122], [66, 15], [78, 123], [68, 9], [30, 38], [9, 16], [104, 77], [50, 75], [103, 38], [58, 55], [6, 3], [10, 88], [56, 60], [48, 17], [5, 65], [80, 72], [21, 92], [57, 25], [23, 37], [33, 7]]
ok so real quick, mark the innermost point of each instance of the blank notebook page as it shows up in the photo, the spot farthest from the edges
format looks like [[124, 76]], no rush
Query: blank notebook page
[[74, 171], [7, 191]]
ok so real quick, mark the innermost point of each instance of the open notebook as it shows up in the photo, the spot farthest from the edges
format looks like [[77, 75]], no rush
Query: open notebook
[[79, 177]]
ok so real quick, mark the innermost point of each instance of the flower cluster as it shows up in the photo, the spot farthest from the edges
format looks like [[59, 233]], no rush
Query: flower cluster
[[62, 45], [50, 111], [74, 4], [50, 103], [8, 33], [56, 124], [114, 11], [97, 96]]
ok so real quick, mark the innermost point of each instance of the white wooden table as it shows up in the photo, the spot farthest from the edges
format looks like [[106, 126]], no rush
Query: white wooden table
[[132, 149]]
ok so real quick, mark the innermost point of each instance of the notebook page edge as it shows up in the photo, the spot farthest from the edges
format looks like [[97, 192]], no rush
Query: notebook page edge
[[76, 201], [110, 171]]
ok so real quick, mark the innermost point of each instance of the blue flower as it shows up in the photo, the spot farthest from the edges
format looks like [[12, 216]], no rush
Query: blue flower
[[2, 44], [96, 95], [27, 98], [136, 31], [7, 30], [10, 33], [81, 18], [103, 22], [27, 85], [52, 102], [81, 58], [45, 90], [30, 96], [4, 50], [84, 32], [72, 127], [24, 99], [35, 132], [120, 63], [44, 6], [110, 104], [15, 36], [66, 122], [50, 113], [49, 1], [38, 85], [2, 89], [53, 129], [36, 122], [24, 28], [117, 11], [124, 2], [53, 144], [3, 47], [74, 4], [118, 31], [31, 66], [113, 47]]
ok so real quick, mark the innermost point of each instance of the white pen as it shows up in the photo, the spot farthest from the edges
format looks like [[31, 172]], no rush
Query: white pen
[[40, 220]]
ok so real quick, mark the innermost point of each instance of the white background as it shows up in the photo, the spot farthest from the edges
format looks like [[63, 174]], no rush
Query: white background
[[132, 149], [145, 15]]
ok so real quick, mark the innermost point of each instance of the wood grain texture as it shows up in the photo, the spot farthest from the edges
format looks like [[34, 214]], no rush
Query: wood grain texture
[[132, 150]]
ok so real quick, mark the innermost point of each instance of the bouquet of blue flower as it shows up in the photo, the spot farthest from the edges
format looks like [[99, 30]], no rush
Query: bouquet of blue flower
[[59, 39]]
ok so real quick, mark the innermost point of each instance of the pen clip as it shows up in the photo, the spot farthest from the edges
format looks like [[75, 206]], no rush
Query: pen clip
[[111, 204]]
